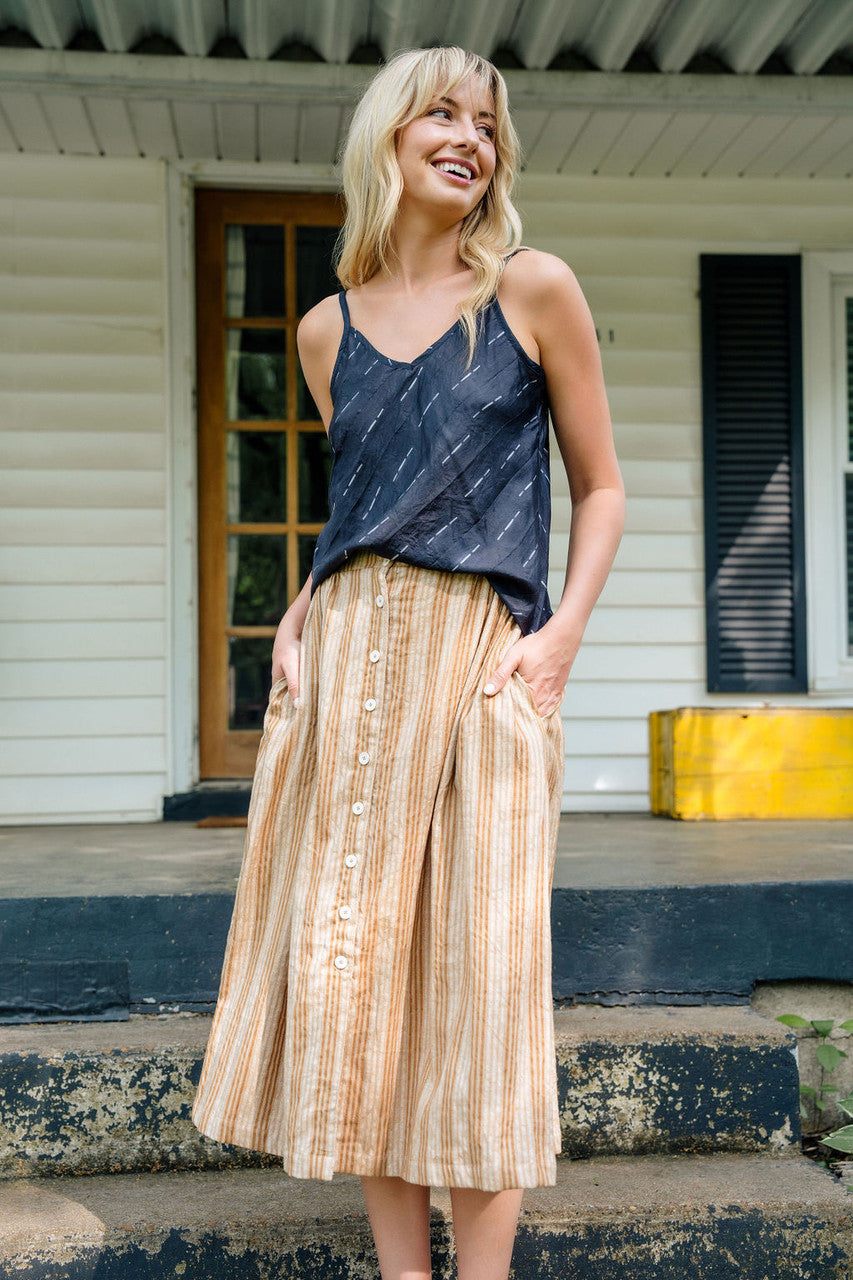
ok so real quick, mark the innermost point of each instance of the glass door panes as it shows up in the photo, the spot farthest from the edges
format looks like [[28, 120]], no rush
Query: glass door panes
[[314, 249], [254, 270], [263, 260], [255, 374]]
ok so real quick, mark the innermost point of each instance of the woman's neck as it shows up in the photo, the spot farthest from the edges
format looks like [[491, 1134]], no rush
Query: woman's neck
[[422, 253]]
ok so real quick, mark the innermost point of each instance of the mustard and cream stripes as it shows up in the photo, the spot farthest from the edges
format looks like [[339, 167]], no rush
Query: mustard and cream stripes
[[385, 1004]]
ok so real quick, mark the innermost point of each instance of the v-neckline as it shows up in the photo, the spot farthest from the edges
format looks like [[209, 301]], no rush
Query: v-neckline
[[405, 364]]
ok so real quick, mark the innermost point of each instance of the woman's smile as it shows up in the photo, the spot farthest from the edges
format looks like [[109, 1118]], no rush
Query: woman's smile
[[460, 171]]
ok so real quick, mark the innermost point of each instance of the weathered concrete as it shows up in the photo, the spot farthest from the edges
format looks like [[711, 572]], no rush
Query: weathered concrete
[[116, 1097], [106, 1098], [173, 945], [695, 943], [675, 1079], [594, 851], [644, 909], [659, 1218]]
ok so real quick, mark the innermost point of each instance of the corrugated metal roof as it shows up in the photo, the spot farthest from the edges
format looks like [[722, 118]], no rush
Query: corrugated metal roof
[[740, 36], [620, 87]]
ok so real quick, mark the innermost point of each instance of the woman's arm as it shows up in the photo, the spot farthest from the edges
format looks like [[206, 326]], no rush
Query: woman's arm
[[317, 339], [545, 291]]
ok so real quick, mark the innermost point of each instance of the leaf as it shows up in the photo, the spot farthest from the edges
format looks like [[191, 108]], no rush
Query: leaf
[[820, 1104], [804, 1114], [792, 1020], [841, 1140], [828, 1056], [846, 1104], [808, 1090], [846, 1026], [823, 1028]]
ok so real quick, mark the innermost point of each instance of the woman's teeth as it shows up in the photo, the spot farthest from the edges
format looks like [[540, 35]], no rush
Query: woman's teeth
[[458, 169]]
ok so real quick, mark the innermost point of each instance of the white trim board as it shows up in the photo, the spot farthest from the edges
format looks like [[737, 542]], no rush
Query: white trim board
[[190, 78], [830, 668]]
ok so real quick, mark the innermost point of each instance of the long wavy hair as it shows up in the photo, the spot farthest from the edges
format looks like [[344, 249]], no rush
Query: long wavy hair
[[402, 90]]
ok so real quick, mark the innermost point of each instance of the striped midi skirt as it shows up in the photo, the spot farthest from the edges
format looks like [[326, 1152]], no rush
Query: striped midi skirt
[[385, 1005]]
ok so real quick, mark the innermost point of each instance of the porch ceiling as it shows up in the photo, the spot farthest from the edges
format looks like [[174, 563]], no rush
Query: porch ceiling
[[640, 88], [742, 35]]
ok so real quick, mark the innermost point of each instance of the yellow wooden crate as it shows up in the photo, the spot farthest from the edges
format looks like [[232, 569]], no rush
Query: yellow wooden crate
[[743, 762]]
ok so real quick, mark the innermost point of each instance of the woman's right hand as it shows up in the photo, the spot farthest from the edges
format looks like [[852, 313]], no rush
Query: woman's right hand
[[286, 652], [287, 645]]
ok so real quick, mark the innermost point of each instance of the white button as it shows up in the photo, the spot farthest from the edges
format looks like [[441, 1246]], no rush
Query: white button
[[363, 757], [379, 602], [345, 912], [374, 655], [350, 860], [340, 962], [370, 705], [358, 807]]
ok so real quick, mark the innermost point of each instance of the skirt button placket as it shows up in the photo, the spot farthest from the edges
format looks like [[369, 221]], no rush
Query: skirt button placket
[[378, 634]]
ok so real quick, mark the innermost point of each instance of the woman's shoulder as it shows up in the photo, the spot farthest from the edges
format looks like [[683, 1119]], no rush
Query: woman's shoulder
[[320, 328], [544, 294], [532, 276]]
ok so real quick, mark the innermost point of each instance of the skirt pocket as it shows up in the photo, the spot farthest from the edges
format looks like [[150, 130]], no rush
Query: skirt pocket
[[547, 715]]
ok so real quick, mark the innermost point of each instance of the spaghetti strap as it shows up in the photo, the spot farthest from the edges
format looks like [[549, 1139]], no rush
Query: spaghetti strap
[[521, 248], [342, 298]]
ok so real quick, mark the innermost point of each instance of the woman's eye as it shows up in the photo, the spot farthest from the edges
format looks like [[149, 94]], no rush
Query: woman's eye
[[439, 111]]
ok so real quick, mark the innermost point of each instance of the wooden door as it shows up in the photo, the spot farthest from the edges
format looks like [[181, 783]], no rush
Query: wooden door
[[262, 260]]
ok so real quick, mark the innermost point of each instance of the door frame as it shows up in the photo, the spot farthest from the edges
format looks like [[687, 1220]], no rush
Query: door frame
[[180, 179]]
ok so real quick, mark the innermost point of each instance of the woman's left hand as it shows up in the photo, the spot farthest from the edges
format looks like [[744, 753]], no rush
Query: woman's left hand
[[542, 662]]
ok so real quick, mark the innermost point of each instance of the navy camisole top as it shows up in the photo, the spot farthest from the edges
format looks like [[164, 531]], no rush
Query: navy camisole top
[[443, 466]]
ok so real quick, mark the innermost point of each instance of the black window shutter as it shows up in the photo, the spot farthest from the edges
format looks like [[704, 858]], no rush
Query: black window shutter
[[753, 456]]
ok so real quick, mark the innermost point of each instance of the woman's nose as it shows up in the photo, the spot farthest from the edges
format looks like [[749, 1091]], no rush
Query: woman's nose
[[467, 135]]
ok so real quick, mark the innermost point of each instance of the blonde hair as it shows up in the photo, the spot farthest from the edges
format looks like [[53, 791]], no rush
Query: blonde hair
[[400, 92]]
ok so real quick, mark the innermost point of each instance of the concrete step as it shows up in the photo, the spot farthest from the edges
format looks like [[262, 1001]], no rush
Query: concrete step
[[116, 945], [718, 1217], [113, 1097], [670, 1079]]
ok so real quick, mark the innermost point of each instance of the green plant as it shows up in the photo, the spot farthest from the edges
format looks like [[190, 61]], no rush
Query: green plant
[[828, 1056]]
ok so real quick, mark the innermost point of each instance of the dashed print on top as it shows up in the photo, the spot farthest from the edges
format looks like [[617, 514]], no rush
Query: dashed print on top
[[449, 466]]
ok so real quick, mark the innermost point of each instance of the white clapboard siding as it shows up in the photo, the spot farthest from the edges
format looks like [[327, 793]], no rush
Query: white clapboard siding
[[98, 797], [26, 603], [33, 526], [90, 452], [102, 488], [133, 754], [81, 640], [634, 245], [60, 677], [83, 717], [83, 450], [672, 625], [119, 566], [655, 587]]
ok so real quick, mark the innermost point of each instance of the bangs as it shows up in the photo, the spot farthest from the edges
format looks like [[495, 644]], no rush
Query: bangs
[[440, 71]]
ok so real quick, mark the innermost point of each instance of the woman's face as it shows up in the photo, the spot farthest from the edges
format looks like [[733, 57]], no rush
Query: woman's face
[[447, 155]]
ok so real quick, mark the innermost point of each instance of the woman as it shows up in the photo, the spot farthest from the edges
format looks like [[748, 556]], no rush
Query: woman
[[385, 1006]]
